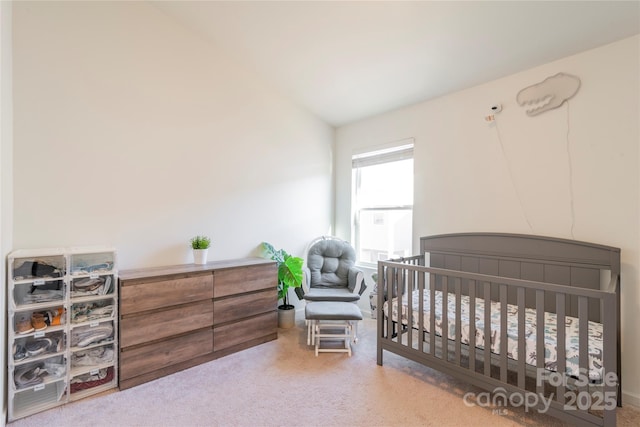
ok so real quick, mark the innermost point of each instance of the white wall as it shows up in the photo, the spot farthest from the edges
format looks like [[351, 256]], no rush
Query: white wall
[[132, 130], [464, 182], [6, 190]]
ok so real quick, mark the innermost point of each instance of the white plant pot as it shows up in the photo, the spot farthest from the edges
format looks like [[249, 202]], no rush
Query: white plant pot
[[200, 256], [286, 318]]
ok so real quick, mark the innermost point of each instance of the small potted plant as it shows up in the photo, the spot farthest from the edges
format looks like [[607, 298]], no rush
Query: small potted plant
[[289, 276], [200, 246]]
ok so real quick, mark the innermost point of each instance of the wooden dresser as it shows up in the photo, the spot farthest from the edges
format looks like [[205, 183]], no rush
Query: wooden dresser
[[172, 318]]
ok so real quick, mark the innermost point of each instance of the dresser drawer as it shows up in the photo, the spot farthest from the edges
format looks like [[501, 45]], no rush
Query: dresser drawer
[[239, 307], [144, 296], [146, 327], [245, 279], [149, 358], [239, 332]]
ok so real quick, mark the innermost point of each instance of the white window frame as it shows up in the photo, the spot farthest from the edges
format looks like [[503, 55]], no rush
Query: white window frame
[[400, 150]]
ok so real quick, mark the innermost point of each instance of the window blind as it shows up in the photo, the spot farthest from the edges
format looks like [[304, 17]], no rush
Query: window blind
[[371, 158]]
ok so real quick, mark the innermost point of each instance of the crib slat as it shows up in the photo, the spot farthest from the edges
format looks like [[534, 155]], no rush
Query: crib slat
[[522, 339], [583, 340], [609, 359], [410, 280], [390, 285], [445, 319], [432, 316], [472, 325], [458, 335], [561, 341], [540, 359], [421, 310], [487, 329], [503, 333]]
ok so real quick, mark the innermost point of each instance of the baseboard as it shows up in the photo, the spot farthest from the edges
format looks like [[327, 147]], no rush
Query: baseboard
[[631, 399]]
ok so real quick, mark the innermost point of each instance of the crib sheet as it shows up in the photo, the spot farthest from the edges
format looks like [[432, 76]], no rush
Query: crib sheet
[[550, 327]]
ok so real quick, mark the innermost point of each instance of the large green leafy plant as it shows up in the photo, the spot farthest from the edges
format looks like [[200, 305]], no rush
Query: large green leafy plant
[[289, 272]]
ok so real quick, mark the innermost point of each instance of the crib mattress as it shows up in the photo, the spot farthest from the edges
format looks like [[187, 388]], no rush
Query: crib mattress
[[550, 327]]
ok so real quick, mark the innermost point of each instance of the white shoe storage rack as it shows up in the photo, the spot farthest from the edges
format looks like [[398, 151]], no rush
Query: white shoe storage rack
[[69, 349]]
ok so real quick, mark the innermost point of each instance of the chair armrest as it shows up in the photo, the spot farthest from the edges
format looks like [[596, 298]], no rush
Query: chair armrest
[[306, 279], [355, 281]]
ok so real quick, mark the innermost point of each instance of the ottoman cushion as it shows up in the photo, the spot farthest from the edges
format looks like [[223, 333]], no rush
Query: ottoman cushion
[[332, 310]]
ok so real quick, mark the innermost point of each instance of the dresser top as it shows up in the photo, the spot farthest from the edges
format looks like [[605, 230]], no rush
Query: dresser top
[[140, 273]]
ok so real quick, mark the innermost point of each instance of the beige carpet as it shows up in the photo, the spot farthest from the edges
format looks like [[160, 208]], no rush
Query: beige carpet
[[282, 383]]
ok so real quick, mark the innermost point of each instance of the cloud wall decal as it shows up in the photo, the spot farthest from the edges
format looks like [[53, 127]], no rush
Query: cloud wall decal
[[550, 93]]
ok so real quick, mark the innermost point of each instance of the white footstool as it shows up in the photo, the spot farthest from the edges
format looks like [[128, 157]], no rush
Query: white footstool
[[332, 316]]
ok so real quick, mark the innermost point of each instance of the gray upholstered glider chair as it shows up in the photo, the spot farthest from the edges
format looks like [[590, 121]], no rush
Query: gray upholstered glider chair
[[330, 273]]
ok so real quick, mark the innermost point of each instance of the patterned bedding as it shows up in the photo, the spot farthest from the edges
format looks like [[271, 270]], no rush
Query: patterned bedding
[[550, 326]]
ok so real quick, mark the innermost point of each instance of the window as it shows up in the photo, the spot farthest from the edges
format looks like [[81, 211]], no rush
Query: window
[[382, 200]]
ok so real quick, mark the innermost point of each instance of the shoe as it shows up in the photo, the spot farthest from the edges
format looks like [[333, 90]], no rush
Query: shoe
[[37, 321], [23, 326], [29, 376], [37, 347], [87, 285], [54, 317], [19, 353]]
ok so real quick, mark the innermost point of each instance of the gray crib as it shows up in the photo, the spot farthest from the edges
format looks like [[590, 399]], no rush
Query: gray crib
[[507, 293]]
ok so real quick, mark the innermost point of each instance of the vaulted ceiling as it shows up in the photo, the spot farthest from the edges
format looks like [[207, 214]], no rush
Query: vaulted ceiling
[[346, 60]]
